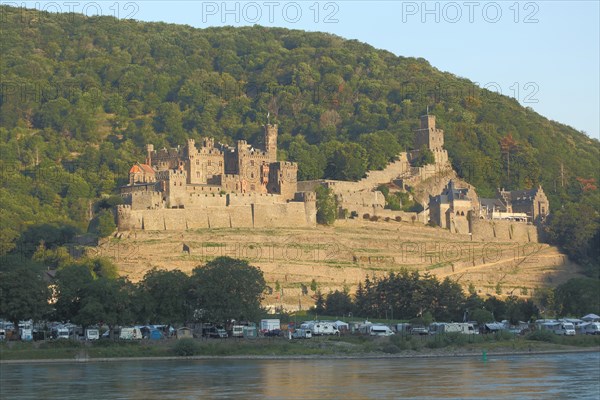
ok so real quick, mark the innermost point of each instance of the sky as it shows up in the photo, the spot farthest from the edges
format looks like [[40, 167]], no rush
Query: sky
[[545, 54]]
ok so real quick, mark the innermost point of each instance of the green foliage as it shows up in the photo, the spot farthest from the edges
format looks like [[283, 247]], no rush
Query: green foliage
[[424, 157], [226, 289], [338, 303], [186, 348], [578, 296], [164, 296], [481, 316], [409, 295], [103, 224], [71, 283], [23, 295], [326, 206], [342, 107], [576, 229]]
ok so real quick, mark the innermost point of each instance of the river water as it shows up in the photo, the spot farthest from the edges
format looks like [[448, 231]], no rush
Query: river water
[[526, 376]]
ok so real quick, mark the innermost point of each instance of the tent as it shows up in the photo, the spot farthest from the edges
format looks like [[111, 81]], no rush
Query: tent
[[341, 325], [155, 334], [493, 327], [591, 318], [184, 332]]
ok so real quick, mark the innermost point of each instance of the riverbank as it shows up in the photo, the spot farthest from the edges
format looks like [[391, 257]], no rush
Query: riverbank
[[348, 347]]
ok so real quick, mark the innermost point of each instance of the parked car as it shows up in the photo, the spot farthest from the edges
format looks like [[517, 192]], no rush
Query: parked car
[[301, 333], [274, 332], [214, 332], [419, 331]]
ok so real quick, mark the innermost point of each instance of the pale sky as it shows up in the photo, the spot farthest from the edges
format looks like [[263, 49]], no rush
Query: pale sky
[[546, 54]]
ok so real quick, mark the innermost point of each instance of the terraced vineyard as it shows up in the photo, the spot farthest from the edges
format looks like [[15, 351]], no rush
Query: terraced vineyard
[[341, 256]]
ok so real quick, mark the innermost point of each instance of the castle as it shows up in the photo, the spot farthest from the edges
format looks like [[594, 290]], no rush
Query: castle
[[217, 186]]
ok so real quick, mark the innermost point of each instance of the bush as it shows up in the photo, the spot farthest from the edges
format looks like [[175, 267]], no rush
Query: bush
[[541, 336], [186, 348], [366, 216], [391, 349], [398, 218]]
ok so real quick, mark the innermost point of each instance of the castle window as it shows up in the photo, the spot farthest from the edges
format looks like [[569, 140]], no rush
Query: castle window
[[209, 163], [252, 163], [220, 163], [197, 162]]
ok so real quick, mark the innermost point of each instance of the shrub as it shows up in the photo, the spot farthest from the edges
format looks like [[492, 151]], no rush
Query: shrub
[[391, 348], [398, 218], [366, 216], [541, 336], [186, 347]]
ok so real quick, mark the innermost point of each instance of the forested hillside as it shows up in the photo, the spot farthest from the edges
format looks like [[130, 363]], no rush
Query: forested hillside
[[82, 96]]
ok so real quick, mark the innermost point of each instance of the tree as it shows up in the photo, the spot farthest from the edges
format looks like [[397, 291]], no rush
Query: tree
[[326, 206], [425, 157], [71, 284], [103, 224], [578, 296], [338, 303], [481, 316], [166, 295], [23, 295], [319, 302], [107, 301], [508, 145], [227, 289]]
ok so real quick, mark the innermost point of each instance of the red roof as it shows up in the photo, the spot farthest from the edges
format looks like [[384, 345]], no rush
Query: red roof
[[139, 168]]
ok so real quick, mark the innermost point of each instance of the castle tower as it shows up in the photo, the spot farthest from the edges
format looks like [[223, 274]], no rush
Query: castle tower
[[429, 135], [149, 150], [271, 142], [191, 148]]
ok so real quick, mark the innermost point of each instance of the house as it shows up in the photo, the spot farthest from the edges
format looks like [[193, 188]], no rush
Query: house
[[450, 209], [517, 205]]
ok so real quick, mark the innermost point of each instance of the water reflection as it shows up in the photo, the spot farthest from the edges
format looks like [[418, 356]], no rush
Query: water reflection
[[531, 376]]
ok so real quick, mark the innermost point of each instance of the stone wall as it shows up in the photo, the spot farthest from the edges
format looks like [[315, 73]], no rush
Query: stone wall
[[371, 181], [279, 215], [483, 229]]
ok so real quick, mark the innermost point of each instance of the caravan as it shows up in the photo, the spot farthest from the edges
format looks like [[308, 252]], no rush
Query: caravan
[[320, 328], [453, 327], [559, 328], [131, 334]]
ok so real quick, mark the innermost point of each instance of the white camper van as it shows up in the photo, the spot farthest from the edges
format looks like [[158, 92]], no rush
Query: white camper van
[[593, 328], [380, 330]]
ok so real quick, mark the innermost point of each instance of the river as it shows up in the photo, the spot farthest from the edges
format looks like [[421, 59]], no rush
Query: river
[[525, 376]]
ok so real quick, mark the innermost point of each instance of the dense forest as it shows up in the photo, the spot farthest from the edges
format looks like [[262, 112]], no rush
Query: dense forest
[[81, 96]]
